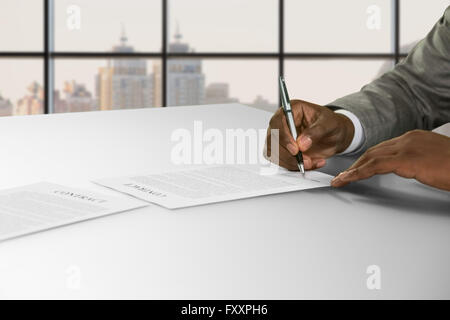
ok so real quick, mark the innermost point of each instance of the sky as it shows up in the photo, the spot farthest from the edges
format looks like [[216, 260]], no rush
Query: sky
[[216, 25]]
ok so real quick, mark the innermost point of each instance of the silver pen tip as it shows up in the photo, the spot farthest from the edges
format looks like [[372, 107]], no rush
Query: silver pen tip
[[301, 168]]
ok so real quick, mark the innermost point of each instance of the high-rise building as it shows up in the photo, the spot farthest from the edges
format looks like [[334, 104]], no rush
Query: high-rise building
[[78, 98], [218, 92], [124, 83], [157, 84], [31, 103], [60, 105], [6, 107], [185, 80]]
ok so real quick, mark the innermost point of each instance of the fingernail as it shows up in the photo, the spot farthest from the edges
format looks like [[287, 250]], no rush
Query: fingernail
[[340, 176], [305, 141], [343, 175], [346, 174], [291, 148]]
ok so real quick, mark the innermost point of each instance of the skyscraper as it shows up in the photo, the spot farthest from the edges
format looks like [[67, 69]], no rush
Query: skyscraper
[[59, 104], [31, 103], [124, 83], [6, 107], [157, 84], [78, 98], [185, 80]]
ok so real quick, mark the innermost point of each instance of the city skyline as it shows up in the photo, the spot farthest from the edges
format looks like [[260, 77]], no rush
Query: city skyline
[[236, 79], [128, 83]]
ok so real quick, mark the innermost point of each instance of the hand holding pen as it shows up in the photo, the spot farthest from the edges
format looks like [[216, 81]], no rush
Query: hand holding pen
[[321, 133]]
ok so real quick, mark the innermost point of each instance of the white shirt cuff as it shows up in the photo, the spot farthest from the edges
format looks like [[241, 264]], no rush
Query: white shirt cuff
[[358, 137]]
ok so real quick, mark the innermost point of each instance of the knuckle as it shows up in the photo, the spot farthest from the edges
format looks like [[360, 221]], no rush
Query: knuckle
[[295, 103], [275, 121], [410, 138], [413, 133], [406, 138], [356, 172], [317, 129]]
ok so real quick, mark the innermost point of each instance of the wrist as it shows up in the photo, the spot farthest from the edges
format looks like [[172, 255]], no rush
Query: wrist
[[347, 132]]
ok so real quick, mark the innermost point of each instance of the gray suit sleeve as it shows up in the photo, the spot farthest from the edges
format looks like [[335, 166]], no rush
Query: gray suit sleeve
[[414, 95]]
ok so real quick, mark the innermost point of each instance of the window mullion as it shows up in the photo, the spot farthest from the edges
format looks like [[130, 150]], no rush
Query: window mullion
[[48, 61], [164, 54]]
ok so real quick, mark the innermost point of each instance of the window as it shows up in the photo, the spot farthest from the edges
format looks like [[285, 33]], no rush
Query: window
[[21, 90], [22, 29], [21, 69], [417, 18], [358, 26], [100, 25], [225, 25], [104, 84], [84, 55], [328, 74]]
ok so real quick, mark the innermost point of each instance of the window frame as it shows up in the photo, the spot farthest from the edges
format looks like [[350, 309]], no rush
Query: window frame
[[49, 55]]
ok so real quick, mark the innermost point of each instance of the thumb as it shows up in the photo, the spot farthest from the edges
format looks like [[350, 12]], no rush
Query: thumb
[[309, 136]]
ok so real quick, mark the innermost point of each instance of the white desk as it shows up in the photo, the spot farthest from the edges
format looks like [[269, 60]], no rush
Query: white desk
[[310, 244]]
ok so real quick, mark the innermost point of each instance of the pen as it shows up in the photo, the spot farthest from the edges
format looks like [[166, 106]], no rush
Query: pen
[[286, 105]]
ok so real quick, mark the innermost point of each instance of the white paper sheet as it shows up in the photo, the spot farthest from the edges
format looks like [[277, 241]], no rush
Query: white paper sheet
[[193, 187], [43, 206]]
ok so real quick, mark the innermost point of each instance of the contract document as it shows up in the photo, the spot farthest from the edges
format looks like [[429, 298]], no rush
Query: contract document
[[43, 206], [193, 187]]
